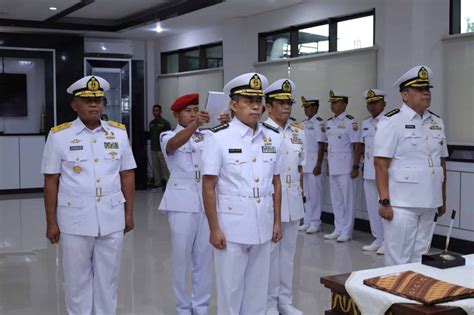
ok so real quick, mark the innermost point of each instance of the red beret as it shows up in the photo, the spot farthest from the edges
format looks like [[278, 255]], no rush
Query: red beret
[[185, 100]]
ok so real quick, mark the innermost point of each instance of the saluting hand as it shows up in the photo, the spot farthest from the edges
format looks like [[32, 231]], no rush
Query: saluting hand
[[52, 233], [386, 212], [217, 239]]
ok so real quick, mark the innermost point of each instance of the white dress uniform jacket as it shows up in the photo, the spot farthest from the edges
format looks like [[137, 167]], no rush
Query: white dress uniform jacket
[[185, 173], [245, 163], [369, 127], [90, 199], [293, 155], [416, 145], [314, 130], [341, 132]]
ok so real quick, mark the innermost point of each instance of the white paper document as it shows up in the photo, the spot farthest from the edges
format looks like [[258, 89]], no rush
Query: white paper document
[[217, 103]]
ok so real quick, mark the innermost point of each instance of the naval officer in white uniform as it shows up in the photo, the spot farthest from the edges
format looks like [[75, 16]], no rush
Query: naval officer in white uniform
[[344, 153], [279, 102], [410, 166], [242, 198], [182, 201], [89, 187], [314, 178], [375, 105]]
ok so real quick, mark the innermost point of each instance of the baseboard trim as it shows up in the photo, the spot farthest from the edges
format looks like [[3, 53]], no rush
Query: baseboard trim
[[455, 244]]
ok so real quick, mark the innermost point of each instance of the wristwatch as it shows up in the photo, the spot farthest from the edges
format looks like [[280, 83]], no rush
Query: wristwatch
[[384, 202], [355, 167]]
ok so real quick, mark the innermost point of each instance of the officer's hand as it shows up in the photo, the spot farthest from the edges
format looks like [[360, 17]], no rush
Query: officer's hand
[[317, 170], [129, 224], [217, 239], [52, 233], [276, 233], [441, 210], [224, 118], [202, 118], [354, 173], [386, 212]]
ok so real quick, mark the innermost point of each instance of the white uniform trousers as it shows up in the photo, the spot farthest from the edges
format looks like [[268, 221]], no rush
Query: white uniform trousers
[[342, 199], [242, 273], [407, 235], [281, 266], [190, 245], [372, 201], [91, 272], [313, 192]]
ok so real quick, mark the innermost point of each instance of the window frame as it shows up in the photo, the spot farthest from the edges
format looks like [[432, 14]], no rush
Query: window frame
[[182, 65], [294, 29]]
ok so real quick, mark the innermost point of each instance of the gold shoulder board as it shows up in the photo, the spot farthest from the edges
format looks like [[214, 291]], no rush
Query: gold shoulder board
[[61, 127], [392, 112], [296, 125], [116, 124]]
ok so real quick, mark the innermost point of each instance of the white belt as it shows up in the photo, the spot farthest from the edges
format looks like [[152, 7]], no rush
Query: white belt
[[253, 192], [186, 175], [429, 162]]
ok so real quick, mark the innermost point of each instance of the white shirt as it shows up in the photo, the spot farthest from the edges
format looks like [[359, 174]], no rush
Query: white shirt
[[416, 145], [341, 132], [245, 163], [293, 155], [368, 133], [315, 132], [183, 191], [90, 200]]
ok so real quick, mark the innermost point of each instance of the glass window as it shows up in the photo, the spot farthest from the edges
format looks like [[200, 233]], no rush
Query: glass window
[[313, 40], [467, 16], [214, 57], [191, 60], [355, 33], [172, 63], [278, 46]]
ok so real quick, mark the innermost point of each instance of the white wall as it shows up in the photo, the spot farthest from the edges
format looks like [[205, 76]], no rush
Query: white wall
[[34, 70], [407, 33]]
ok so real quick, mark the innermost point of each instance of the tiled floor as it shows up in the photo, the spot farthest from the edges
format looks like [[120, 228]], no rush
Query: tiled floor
[[31, 281]]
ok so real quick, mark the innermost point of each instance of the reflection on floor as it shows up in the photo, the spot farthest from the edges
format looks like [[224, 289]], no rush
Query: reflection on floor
[[31, 281]]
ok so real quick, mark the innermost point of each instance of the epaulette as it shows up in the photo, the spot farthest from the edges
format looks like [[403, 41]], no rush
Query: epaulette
[[296, 125], [270, 127], [116, 124], [350, 116], [330, 118], [219, 127], [61, 127], [292, 118], [434, 114], [392, 112], [319, 118]]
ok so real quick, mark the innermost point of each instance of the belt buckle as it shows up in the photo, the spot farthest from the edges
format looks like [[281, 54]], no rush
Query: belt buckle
[[256, 192], [288, 179], [197, 176]]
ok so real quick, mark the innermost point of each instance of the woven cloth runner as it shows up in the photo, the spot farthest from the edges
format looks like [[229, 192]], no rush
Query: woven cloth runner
[[421, 288]]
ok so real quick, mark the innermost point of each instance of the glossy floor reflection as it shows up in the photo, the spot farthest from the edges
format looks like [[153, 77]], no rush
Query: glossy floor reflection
[[31, 281]]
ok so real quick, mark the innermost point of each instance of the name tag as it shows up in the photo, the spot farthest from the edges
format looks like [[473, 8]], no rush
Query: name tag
[[410, 127], [268, 149], [366, 128], [111, 145], [235, 150], [75, 148], [435, 127], [296, 140]]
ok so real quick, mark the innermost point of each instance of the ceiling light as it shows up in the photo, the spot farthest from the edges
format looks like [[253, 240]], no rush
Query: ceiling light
[[158, 28], [53, 8], [103, 47]]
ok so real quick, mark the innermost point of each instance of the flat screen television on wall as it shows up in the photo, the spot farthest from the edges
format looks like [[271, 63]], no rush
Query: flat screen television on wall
[[13, 101]]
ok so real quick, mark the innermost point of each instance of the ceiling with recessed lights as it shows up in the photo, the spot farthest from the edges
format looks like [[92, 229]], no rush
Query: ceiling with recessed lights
[[125, 18]]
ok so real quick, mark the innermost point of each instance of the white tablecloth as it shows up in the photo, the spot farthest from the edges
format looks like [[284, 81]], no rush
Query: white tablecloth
[[376, 302]]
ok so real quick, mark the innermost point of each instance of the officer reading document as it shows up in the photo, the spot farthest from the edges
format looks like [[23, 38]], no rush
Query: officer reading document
[[410, 150], [242, 198], [88, 193], [279, 103]]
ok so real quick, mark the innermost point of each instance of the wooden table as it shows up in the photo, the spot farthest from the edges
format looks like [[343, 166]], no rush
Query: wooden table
[[342, 303]]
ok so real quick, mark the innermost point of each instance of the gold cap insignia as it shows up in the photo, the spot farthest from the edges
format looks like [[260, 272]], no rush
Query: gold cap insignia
[[423, 73], [303, 99], [286, 87], [331, 93], [93, 84], [370, 94], [255, 82]]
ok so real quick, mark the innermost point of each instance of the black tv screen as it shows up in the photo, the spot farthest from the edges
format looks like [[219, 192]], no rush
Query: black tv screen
[[13, 95]]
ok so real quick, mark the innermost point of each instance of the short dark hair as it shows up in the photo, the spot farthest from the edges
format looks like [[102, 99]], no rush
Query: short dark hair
[[157, 105]]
